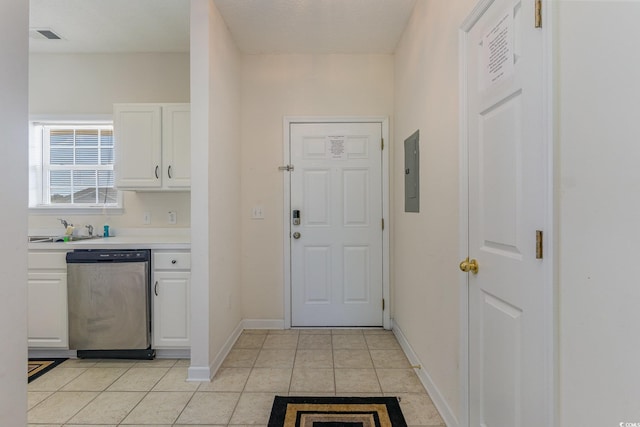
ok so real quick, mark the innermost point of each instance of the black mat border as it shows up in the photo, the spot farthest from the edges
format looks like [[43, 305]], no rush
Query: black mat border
[[279, 408], [56, 361]]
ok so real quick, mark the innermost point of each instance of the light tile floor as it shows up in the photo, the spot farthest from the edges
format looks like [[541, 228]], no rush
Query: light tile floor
[[261, 365]]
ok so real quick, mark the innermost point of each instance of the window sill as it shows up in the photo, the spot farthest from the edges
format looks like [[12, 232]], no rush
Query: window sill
[[66, 210]]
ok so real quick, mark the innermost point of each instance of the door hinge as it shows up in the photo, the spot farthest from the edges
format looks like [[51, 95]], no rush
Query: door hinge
[[382, 143], [288, 168], [382, 304], [383, 223], [539, 242], [538, 13]]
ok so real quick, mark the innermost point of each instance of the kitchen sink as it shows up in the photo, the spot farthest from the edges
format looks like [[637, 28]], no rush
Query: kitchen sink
[[40, 239], [51, 239]]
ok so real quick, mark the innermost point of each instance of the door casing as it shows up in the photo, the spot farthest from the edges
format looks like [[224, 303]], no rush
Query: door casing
[[550, 244], [286, 179]]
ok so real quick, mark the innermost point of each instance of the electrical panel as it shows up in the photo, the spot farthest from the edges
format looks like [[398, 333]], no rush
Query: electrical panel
[[412, 173]]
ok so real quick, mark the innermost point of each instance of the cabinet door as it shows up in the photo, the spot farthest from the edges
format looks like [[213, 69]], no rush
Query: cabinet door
[[176, 146], [47, 309], [138, 145], [171, 311]]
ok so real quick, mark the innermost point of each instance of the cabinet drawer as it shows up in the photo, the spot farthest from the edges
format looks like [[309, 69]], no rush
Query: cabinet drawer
[[171, 261], [47, 260]]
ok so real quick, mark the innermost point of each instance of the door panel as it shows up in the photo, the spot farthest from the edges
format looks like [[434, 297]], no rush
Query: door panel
[[317, 280], [500, 149], [356, 278], [336, 263], [317, 197], [356, 194], [501, 349]]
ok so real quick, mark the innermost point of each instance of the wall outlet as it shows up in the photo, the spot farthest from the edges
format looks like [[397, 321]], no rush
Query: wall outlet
[[257, 212], [146, 218], [173, 217]]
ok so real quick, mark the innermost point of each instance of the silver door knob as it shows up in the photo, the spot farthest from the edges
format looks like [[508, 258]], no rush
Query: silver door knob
[[296, 235]]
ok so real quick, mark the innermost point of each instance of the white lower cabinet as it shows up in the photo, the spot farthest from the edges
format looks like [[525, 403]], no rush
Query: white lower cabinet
[[47, 300], [171, 299]]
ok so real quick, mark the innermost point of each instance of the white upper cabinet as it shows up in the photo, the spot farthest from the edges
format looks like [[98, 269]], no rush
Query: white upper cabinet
[[153, 146], [176, 146]]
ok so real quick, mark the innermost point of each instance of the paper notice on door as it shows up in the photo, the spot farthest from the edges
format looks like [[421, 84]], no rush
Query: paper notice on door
[[337, 147], [497, 48]]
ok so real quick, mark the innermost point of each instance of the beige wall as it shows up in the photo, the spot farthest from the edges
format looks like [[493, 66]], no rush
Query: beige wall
[[14, 21], [89, 84], [224, 183], [215, 166], [275, 86], [598, 186], [92, 83], [425, 245]]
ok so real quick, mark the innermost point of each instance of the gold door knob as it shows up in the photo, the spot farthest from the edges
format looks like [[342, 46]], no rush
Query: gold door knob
[[469, 266]]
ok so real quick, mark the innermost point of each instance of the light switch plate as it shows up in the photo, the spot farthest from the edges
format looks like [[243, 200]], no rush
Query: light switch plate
[[173, 217], [257, 212], [146, 218]]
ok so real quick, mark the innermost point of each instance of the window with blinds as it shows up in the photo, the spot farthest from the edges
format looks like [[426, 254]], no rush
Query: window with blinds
[[77, 165]]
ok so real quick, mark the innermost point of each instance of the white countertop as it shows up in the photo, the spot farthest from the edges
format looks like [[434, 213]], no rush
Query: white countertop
[[126, 239]]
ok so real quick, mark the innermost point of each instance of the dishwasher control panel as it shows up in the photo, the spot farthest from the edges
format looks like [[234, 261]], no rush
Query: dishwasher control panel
[[108, 255]]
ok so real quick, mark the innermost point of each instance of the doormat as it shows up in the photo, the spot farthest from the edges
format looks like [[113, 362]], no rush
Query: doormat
[[37, 367], [336, 412]]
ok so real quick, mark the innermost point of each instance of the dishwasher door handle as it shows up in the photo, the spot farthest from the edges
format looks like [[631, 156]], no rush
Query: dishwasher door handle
[[155, 288]]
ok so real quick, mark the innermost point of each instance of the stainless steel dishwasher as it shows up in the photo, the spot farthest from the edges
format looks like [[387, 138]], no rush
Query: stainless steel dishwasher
[[109, 297]]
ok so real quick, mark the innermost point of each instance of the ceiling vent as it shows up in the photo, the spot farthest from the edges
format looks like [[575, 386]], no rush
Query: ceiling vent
[[43, 34]]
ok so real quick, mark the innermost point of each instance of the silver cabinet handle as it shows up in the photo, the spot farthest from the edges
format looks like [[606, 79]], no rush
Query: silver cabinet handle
[[173, 261], [155, 288], [157, 167], [169, 172]]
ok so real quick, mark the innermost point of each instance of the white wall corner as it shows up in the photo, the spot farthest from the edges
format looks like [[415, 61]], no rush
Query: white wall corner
[[205, 374], [438, 399], [199, 373]]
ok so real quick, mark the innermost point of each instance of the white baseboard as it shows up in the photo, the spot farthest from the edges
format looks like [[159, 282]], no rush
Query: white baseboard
[[171, 353], [438, 399], [199, 374], [263, 324], [206, 373], [53, 353]]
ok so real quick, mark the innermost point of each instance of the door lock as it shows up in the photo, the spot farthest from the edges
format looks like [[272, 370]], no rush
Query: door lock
[[469, 266], [295, 216], [296, 235]]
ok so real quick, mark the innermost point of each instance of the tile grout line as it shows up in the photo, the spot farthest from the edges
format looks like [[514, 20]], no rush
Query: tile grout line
[[235, 407], [99, 393]]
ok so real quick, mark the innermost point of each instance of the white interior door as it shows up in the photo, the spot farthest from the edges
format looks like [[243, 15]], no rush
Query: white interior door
[[336, 250], [508, 328]]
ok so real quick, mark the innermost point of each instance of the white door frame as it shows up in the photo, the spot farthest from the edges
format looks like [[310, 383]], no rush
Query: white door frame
[[288, 121], [550, 243]]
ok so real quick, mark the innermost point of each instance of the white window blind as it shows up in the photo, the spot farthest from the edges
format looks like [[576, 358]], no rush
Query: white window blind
[[76, 165]]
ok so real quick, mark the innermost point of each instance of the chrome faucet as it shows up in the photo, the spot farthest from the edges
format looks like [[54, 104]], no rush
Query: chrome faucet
[[90, 228], [64, 223]]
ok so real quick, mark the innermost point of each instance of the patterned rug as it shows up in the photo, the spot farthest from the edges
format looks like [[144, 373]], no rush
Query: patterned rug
[[336, 412], [37, 367]]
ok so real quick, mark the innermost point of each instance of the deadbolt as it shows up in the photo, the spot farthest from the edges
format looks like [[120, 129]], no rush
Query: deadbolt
[[296, 235], [469, 266]]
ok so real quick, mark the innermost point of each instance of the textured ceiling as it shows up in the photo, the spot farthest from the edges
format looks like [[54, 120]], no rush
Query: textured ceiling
[[257, 26], [111, 25], [316, 26]]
